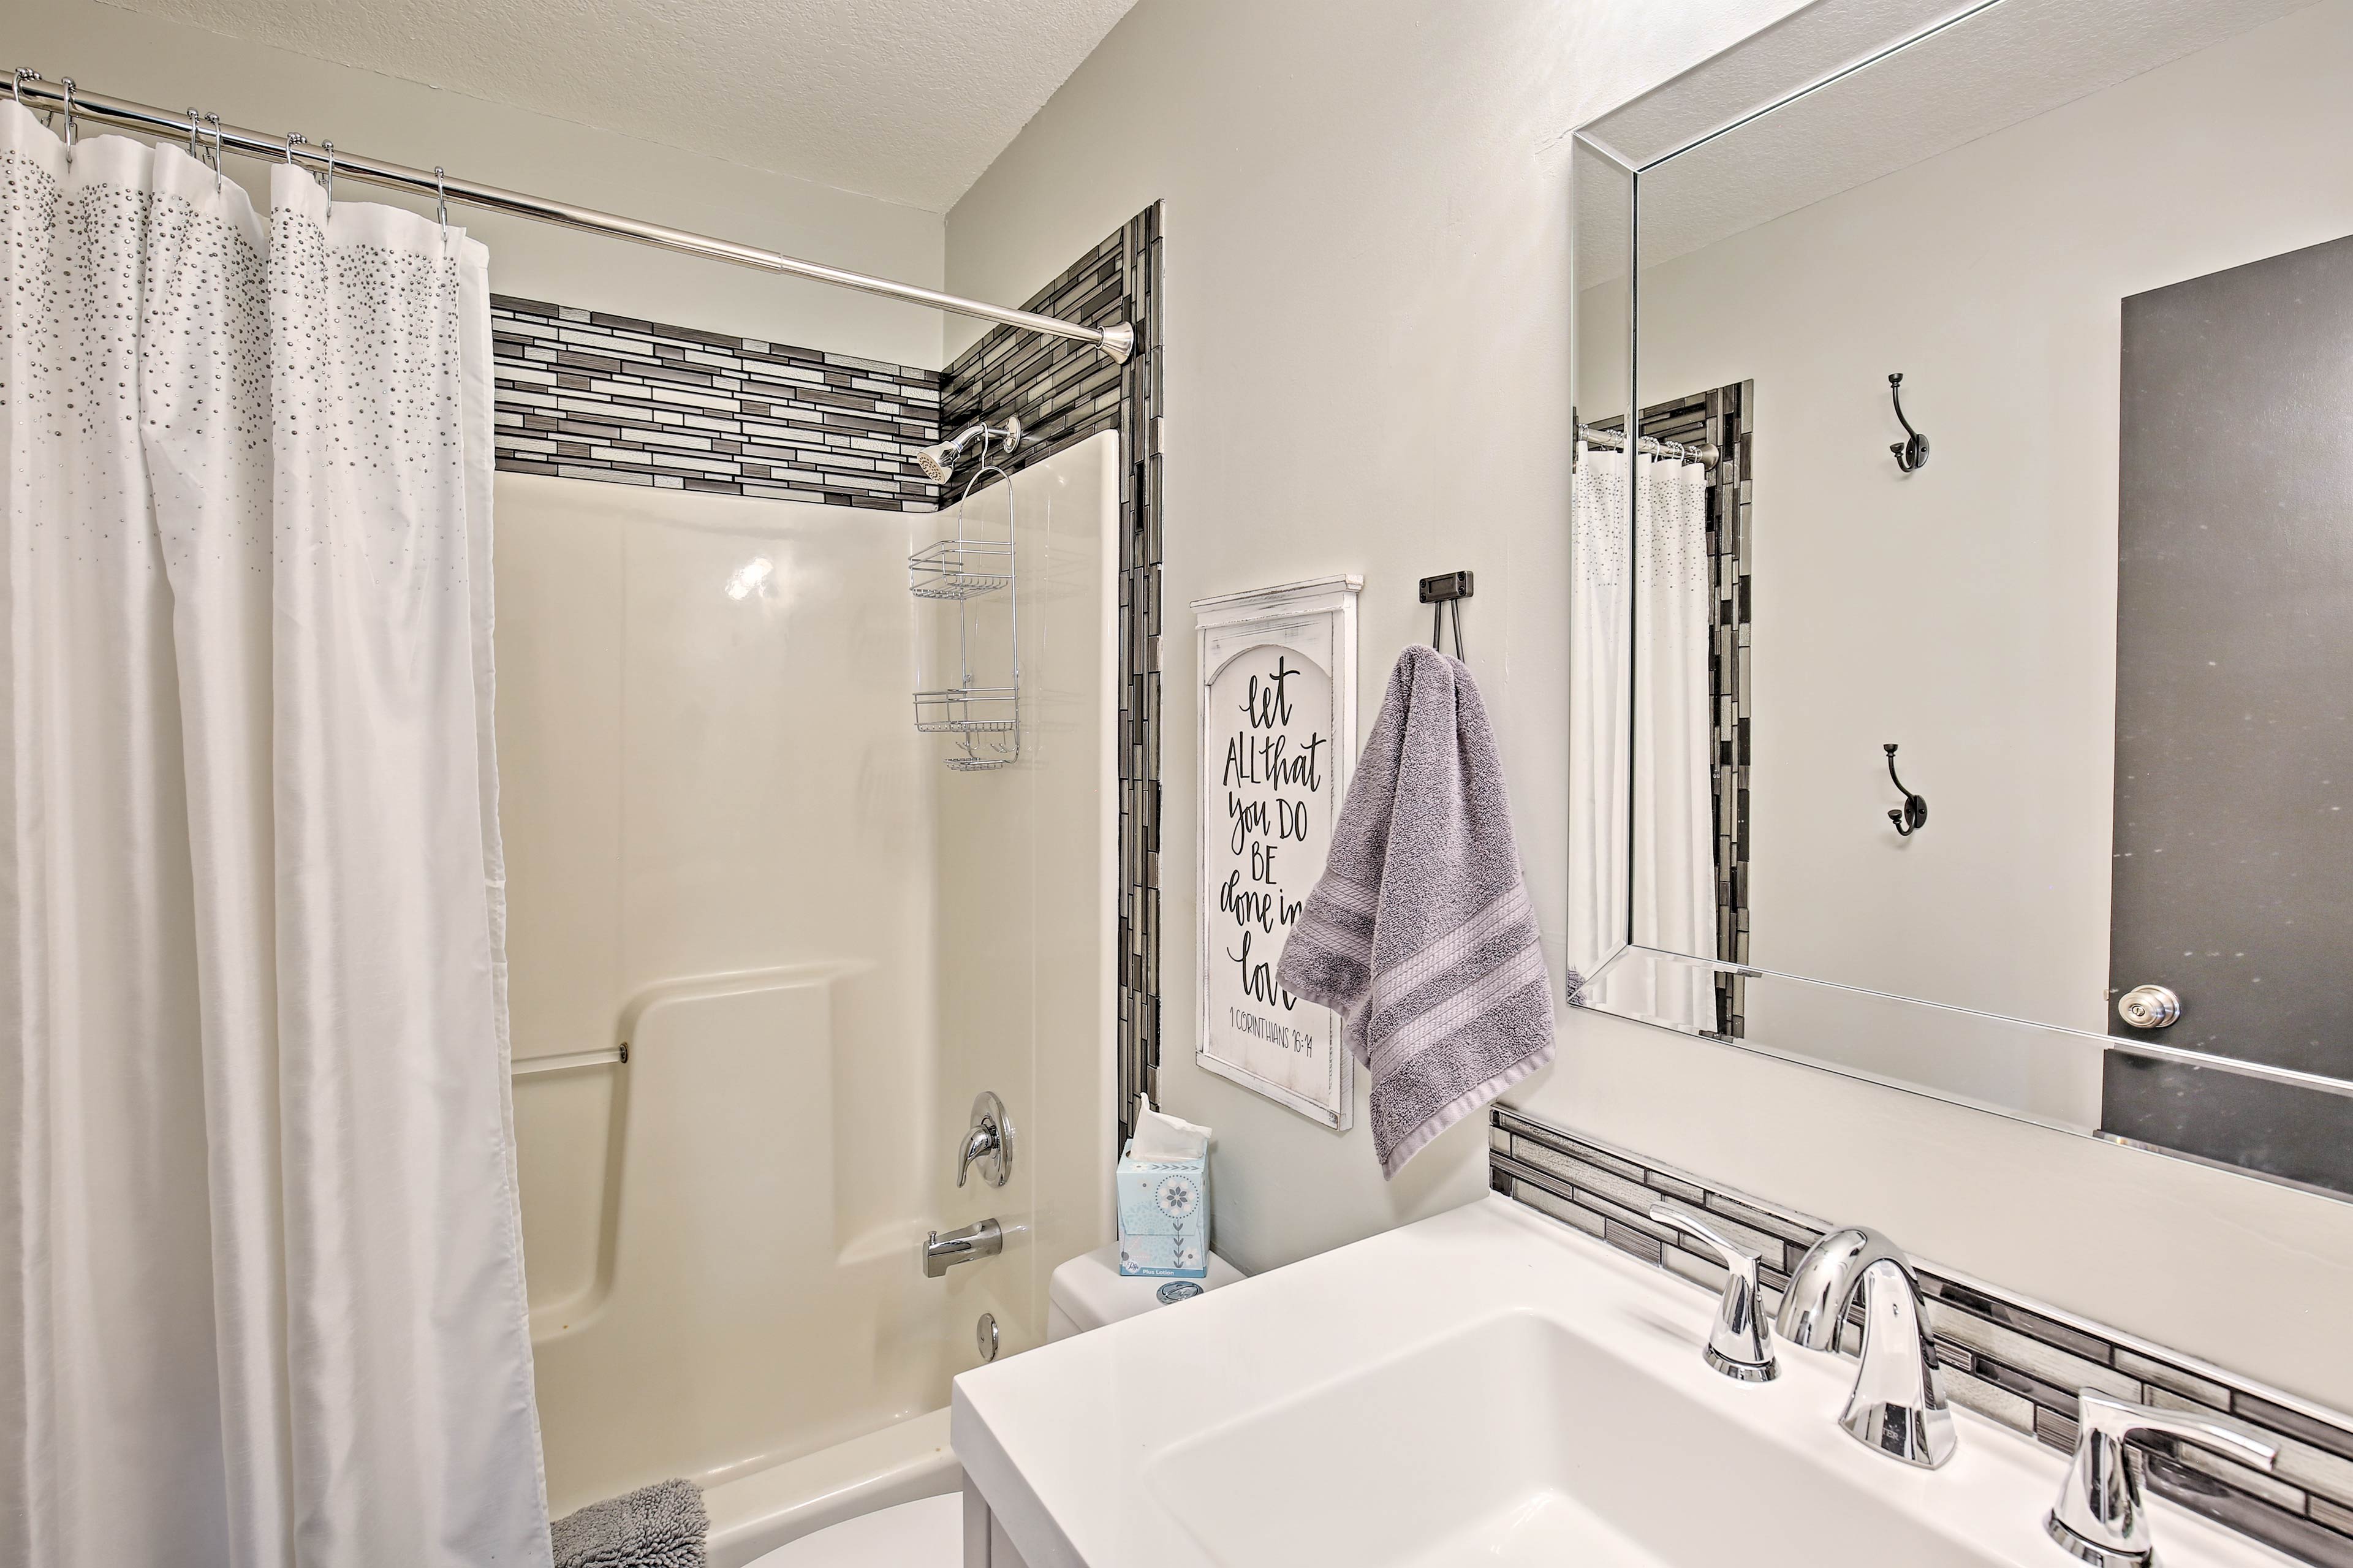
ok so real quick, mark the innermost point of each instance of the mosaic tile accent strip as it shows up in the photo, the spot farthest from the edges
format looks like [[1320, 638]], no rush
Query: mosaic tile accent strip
[[1063, 392], [1724, 416], [2004, 1356], [584, 395], [1142, 403]]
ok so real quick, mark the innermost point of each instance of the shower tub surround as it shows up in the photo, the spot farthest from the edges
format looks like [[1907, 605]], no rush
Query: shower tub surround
[[586, 396], [761, 1166], [2014, 1360]]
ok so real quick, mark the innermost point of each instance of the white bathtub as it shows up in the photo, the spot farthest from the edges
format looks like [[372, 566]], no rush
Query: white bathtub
[[758, 1512]]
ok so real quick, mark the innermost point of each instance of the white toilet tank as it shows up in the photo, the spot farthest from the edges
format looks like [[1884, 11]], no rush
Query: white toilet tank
[[1084, 1293], [1088, 1292]]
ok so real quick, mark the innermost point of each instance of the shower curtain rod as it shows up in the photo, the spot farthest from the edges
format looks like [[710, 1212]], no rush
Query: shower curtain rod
[[1117, 340], [1704, 453]]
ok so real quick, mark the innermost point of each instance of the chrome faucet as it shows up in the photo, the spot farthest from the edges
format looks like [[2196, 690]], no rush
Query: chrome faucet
[[1739, 1345], [984, 1238], [1895, 1407], [2101, 1516], [988, 1143]]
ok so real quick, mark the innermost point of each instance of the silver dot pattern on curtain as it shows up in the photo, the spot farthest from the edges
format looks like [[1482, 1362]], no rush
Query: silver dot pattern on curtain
[[261, 1228]]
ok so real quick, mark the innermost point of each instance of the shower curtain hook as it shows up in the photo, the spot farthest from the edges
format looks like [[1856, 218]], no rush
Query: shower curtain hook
[[441, 200], [195, 127], [24, 75], [293, 137], [68, 83], [213, 122], [329, 148]]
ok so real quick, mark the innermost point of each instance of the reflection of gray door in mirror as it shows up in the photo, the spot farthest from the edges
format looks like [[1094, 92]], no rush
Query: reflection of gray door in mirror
[[2234, 850]]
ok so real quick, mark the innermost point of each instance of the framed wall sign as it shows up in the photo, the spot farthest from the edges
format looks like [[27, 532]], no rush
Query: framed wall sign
[[1278, 699]]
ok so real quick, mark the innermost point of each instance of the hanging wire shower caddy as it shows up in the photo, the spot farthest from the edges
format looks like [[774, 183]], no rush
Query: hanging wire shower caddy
[[964, 569]]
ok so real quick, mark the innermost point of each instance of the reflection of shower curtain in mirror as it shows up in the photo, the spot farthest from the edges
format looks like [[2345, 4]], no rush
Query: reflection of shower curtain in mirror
[[1599, 715], [1674, 831], [1672, 861]]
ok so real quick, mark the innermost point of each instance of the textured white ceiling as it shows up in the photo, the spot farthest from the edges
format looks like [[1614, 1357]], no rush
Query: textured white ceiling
[[906, 100]]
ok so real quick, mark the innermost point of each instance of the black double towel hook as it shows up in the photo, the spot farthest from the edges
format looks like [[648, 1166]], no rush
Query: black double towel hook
[[1447, 590], [1911, 453], [1913, 814]]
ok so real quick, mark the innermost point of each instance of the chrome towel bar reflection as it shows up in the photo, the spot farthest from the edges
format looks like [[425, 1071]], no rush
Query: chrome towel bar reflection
[[31, 90], [565, 1061], [1705, 454]]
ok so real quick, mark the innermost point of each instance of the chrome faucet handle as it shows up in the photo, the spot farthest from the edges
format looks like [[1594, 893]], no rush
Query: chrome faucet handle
[[2101, 1516], [1739, 1342], [988, 1143], [979, 1145], [1895, 1406]]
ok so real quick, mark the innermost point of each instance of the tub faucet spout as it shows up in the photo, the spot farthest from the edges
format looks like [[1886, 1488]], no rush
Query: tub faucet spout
[[942, 1253]]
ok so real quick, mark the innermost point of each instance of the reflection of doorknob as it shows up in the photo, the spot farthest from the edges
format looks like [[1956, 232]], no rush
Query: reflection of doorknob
[[2148, 1006]]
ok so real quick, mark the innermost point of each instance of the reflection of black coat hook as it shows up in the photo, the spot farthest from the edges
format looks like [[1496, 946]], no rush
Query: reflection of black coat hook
[[1913, 815], [1909, 454]]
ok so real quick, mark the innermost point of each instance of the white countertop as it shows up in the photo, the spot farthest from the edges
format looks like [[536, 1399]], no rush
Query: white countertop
[[1484, 1385]]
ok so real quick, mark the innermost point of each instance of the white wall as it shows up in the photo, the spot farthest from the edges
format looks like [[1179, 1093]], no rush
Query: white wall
[[1969, 612], [1367, 324], [1367, 296], [171, 65]]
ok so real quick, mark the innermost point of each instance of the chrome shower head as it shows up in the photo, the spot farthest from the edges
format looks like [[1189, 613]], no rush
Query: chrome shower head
[[936, 460]]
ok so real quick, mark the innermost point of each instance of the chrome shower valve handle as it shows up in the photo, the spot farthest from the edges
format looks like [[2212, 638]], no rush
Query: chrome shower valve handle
[[2101, 1516], [1739, 1342], [987, 1144]]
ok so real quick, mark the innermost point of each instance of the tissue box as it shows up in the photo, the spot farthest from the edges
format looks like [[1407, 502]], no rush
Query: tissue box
[[1164, 1216]]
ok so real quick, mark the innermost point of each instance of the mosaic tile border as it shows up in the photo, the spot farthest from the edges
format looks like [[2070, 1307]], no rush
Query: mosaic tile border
[[2006, 1357], [1065, 392], [1726, 417], [587, 396]]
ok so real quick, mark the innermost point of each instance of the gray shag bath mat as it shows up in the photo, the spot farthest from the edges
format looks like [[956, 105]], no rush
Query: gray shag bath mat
[[660, 1526]]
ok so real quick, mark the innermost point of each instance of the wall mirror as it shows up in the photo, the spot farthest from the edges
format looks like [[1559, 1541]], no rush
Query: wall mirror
[[1987, 733]]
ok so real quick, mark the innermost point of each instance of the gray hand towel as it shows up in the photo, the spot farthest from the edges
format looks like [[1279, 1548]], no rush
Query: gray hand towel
[[660, 1526], [1420, 933]]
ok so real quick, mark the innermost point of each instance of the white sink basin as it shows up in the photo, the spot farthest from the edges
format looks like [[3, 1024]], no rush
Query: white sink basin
[[1504, 1462], [1483, 1387]]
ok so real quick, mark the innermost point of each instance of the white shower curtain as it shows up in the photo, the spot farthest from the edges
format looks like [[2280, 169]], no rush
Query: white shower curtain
[[1657, 808], [1674, 827], [260, 1246], [1600, 619]]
